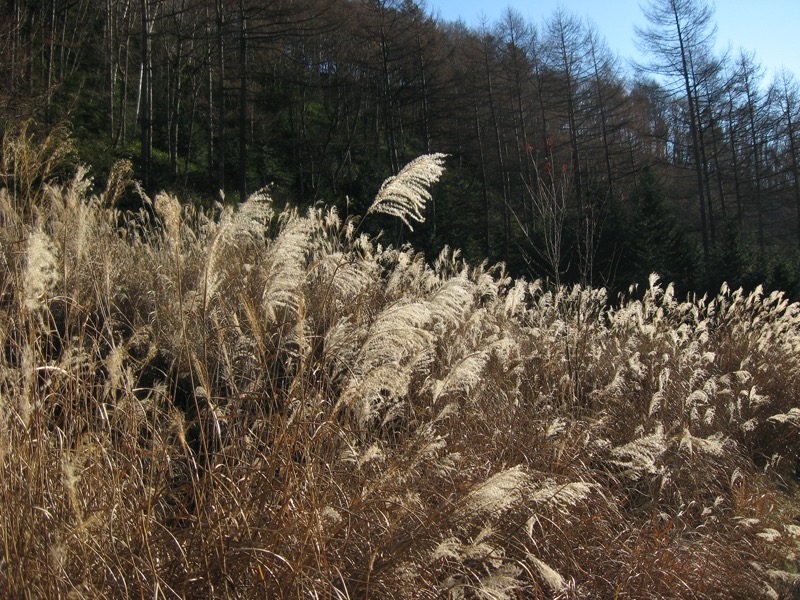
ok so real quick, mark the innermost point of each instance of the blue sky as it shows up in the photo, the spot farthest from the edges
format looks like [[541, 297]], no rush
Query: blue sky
[[770, 28]]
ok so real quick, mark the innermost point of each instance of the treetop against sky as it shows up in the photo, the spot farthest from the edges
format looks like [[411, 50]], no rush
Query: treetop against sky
[[769, 27]]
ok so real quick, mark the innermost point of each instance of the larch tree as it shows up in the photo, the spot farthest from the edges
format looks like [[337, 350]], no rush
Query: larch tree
[[787, 93], [750, 76], [678, 37]]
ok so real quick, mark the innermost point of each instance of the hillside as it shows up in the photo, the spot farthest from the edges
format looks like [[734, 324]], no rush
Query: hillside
[[259, 402], [688, 165]]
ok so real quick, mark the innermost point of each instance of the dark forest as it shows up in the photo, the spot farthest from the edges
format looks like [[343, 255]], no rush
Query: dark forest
[[565, 162]]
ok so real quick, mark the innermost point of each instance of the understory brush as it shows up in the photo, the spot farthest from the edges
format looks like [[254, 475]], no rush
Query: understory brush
[[247, 403]]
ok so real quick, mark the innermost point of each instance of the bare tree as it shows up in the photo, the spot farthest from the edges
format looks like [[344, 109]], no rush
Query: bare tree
[[786, 91], [568, 54], [750, 75], [679, 35]]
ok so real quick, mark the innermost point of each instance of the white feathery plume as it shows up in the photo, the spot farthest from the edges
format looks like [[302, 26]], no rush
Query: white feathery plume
[[463, 377], [405, 194], [792, 417], [479, 328], [488, 288], [373, 453], [477, 549], [396, 346], [561, 495], [250, 221], [341, 347], [713, 446], [448, 549], [747, 521], [769, 534], [407, 272], [41, 272], [497, 493], [515, 299], [550, 576], [168, 208], [640, 456], [396, 336], [349, 279], [452, 301], [659, 396], [285, 273], [555, 428], [502, 584], [380, 393]]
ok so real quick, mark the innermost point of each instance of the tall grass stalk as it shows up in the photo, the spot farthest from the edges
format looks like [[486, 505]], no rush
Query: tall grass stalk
[[193, 406]]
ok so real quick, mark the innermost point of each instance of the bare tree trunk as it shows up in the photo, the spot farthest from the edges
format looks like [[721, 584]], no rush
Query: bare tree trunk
[[757, 171], [795, 168], [221, 98], [176, 91], [486, 205], [694, 131], [243, 106], [50, 59], [122, 133], [737, 189], [788, 99], [499, 146], [706, 176], [146, 97], [426, 127], [598, 81], [682, 32], [391, 140]]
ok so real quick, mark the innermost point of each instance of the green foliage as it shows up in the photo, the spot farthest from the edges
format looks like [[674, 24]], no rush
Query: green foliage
[[739, 260], [655, 241]]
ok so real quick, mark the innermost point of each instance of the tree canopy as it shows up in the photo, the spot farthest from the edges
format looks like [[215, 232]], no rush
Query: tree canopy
[[324, 99]]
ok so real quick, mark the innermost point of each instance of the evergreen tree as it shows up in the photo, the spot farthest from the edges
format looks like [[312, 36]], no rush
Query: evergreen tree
[[656, 241]]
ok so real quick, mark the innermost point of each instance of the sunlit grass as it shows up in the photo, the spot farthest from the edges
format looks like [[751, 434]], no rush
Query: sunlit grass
[[190, 407]]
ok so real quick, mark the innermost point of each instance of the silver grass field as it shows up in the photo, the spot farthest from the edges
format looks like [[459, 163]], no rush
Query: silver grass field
[[263, 403]]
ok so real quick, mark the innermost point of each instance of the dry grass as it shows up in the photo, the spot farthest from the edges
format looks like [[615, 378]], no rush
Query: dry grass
[[190, 407]]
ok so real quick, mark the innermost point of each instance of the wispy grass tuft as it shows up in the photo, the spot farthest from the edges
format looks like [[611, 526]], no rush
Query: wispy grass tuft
[[245, 404], [405, 195]]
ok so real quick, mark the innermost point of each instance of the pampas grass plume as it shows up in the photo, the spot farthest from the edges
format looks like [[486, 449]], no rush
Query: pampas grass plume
[[41, 272], [405, 195]]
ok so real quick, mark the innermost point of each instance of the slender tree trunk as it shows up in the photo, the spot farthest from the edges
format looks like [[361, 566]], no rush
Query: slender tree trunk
[[499, 146], [793, 149], [795, 172], [720, 187], [209, 64], [737, 189], [387, 99], [426, 128], [756, 162], [190, 132], [175, 113], [685, 72], [573, 134], [145, 97], [487, 247], [221, 98], [111, 57], [603, 121], [243, 106], [706, 180], [522, 146], [50, 59]]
